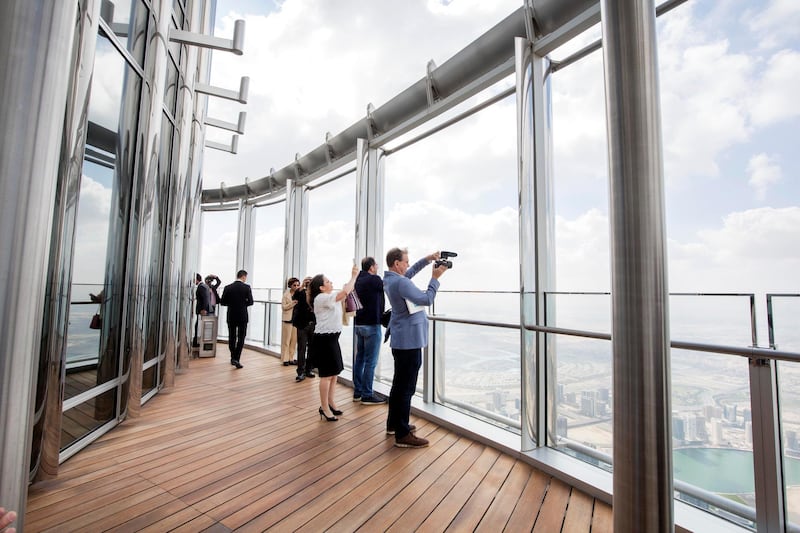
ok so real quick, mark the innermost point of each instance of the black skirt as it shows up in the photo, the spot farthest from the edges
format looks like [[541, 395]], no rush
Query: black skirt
[[326, 354]]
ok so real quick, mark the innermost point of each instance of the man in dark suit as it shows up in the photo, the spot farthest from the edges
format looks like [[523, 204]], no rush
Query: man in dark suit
[[237, 297], [202, 304]]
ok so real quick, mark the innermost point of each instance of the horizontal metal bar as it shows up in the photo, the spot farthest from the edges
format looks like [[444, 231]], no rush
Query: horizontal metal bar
[[510, 422], [332, 178], [751, 352], [458, 118]]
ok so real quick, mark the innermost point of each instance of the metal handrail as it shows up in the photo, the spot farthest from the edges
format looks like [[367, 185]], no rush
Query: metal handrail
[[750, 351], [720, 502]]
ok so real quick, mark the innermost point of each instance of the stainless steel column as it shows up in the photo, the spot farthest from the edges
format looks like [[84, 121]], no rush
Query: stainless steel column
[[295, 238], [369, 202], [36, 38], [245, 239], [536, 243], [643, 499]]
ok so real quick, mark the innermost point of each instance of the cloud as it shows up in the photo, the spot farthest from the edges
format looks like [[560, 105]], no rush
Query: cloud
[[763, 172], [91, 232], [582, 252], [705, 87], [776, 25], [775, 96], [756, 250], [314, 67]]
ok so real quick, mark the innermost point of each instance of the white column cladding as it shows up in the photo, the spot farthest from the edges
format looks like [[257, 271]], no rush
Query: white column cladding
[[369, 203], [643, 487], [537, 245], [36, 39], [245, 239], [295, 240]]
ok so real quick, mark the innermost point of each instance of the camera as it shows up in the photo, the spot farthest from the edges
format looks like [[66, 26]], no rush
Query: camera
[[443, 259]]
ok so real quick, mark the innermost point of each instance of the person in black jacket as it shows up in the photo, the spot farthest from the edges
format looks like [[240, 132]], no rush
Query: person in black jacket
[[202, 305], [369, 288], [303, 319], [237, 297]]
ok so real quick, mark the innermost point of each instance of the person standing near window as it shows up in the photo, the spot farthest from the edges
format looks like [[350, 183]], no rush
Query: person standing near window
[[303, 320], [288, 331], [325, 349], [237, 297], [202, 304], [369, 288], [409, 326], [213, 283]]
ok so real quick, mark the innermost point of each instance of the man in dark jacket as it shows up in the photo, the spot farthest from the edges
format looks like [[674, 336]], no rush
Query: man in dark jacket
[[237, 297], [303, 319], [202, 305], [369, 288]]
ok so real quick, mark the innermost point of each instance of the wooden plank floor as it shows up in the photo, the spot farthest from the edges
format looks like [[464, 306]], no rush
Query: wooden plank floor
[[245, 450]]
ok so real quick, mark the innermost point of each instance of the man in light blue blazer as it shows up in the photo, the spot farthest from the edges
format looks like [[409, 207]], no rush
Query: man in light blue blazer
[[409, 327]]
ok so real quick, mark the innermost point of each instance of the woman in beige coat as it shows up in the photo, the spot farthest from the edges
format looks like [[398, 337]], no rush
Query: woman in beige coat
[[288, 331]]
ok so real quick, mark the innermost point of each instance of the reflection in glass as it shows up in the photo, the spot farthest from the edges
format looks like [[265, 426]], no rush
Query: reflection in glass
[[128, 21], [84, 418], [155, 319], [104, 201], [171, 91]]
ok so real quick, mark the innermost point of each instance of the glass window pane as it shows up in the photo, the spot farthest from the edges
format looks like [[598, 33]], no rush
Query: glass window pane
[[786, 336], [101, 223], [480, 372], [128, 21], [331, 241], [712, 429], [218, 250], [584, 399]]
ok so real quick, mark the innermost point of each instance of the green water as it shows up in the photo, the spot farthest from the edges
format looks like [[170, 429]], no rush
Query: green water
[[724, 470]]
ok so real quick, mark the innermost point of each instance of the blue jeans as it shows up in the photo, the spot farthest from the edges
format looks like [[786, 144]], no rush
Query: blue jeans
[[406, 369], [368, 347]]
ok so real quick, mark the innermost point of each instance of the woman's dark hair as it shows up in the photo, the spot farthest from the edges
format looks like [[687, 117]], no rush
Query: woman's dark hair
[[314, 288], [291, 281]]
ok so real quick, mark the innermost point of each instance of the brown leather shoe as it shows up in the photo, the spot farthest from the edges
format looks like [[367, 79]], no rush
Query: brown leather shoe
[[411, 427], [411, 441]]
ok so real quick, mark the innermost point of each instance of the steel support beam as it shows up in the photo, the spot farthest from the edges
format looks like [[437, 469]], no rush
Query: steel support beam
[[643, 489]]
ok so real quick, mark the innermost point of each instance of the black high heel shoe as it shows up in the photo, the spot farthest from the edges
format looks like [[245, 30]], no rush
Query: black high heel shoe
[[336, 412], [326, 417]]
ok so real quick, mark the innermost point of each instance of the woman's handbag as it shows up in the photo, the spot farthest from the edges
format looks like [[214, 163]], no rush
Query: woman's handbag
[[352, 303], [97, 322], [386, 317]]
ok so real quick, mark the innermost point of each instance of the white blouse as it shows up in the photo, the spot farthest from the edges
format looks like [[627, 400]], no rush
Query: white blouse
[[328, 313]]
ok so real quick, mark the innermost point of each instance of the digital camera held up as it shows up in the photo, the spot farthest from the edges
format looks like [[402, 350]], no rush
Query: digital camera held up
[[443, 259]]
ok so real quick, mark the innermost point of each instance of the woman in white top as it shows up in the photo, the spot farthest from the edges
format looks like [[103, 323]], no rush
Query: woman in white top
[[325, 349]]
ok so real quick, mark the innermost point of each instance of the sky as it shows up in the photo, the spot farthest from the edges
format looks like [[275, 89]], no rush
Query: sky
[[728, 71]]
